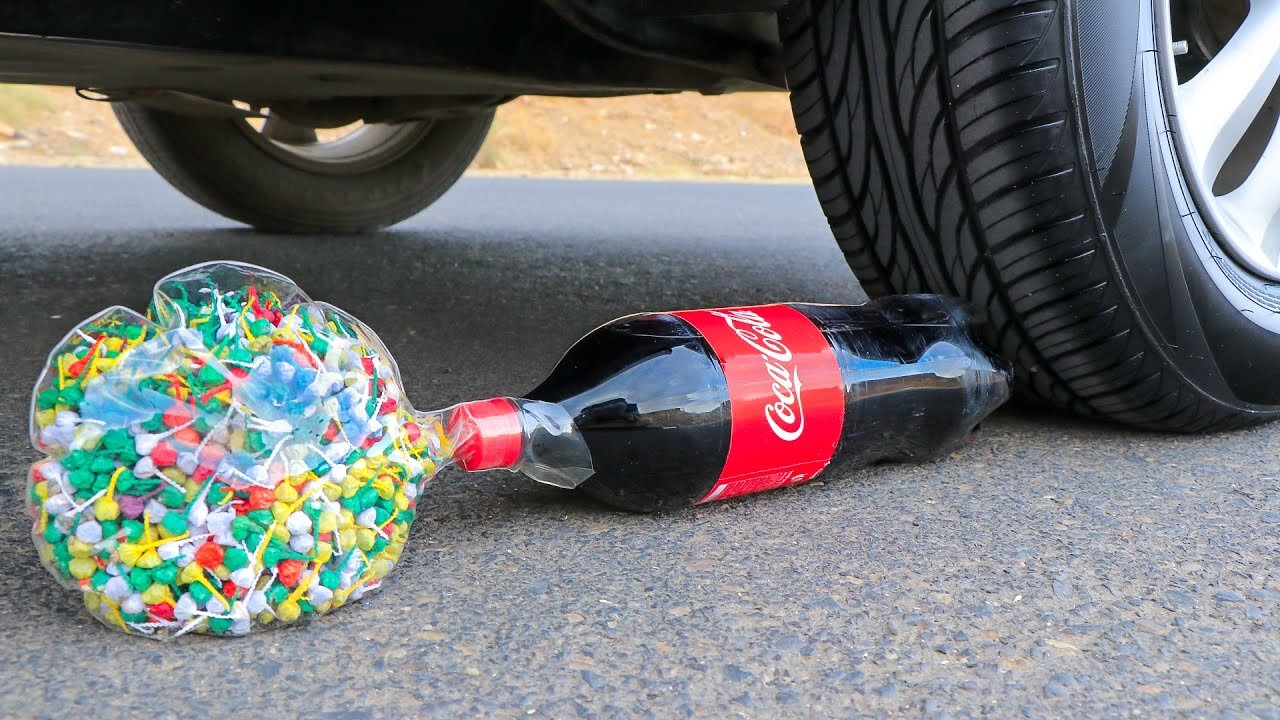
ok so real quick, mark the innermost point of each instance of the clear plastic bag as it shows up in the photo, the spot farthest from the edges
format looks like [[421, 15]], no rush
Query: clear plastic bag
[[241, 457]]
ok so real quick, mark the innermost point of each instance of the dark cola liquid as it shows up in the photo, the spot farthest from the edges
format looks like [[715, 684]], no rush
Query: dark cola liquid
[[651, 400]]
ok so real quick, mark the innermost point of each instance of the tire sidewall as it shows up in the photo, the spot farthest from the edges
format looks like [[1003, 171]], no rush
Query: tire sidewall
[[217, 163], [1218, 324]]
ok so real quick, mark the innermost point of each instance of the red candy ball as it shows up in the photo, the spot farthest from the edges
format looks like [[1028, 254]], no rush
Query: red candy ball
[[163, 611], [209, 555], [288, 571], [413, 432], [164, 455], [260, 497], [176, 415]]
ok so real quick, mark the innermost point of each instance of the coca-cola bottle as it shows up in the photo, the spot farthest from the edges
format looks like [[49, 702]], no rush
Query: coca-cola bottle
[[662, 410]]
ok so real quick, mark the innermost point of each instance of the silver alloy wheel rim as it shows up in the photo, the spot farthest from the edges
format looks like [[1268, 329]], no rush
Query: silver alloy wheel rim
[[362, 150], [1216, 109]]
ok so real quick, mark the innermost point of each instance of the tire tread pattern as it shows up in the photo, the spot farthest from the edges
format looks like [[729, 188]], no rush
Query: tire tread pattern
[[941, 139]]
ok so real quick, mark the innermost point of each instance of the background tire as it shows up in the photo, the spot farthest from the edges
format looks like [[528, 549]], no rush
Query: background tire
[[232, 169], [1018, 154]]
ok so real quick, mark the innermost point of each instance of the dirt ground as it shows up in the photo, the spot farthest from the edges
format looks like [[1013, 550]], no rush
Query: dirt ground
[[734, 137]]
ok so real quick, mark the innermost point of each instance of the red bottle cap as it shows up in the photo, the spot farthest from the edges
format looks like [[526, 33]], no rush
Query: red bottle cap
[[488, 434]]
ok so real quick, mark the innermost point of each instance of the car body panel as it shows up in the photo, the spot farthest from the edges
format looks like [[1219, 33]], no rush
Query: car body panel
[[293, 49]]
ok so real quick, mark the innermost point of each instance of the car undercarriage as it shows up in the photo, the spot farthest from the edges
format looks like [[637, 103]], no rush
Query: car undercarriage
[[330, 63]]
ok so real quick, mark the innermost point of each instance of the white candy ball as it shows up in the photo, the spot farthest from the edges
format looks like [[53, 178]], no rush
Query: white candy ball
[[302, 543], [133, 604], [185, 608], [145, 467], [256, 602], [198, 513], [298, 523], [90, 531], [244, 577], [155, 510], [58, 504], [52, 471], [319, 595], [169, 551], [117, 588], [188, 463], [145, 443]]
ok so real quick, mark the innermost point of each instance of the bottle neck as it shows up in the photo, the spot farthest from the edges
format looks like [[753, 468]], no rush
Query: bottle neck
[[487, 434], [539, 439]]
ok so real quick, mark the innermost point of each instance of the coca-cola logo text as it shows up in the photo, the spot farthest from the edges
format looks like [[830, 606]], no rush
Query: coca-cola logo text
[[785, 414]]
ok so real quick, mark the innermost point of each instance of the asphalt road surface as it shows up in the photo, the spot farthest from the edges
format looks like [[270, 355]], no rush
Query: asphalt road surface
[[1053, 567]]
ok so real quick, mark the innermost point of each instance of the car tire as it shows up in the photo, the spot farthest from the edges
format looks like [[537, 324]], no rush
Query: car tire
[[235, 170], [1025, 157]]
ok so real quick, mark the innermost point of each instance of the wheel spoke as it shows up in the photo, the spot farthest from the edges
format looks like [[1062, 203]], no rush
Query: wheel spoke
[[1217, 105], [281, 130], [1255, 205]]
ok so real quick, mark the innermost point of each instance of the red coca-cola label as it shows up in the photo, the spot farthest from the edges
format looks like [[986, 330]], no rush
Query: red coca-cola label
[[786, 400]]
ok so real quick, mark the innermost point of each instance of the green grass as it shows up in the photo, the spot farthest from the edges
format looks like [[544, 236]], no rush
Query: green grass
[[20, 103]]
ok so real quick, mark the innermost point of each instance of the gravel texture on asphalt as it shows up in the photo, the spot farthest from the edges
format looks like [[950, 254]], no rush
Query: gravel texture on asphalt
[[1054, 567]]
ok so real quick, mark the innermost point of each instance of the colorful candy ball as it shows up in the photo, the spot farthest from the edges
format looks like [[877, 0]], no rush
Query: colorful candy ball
[[241, 457]]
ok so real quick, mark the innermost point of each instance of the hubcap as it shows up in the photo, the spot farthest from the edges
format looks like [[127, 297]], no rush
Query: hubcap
[[350, 150], [1227, 103]]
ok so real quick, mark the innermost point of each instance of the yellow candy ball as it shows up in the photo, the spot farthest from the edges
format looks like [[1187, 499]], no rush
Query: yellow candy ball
[[191, 573], [79, 549], [286, 494], [328, 522], [383, 486], [288, 611], [380, 568], [346, 519], [129, 553], [350, 485], [156, 593], [106, 508], [82, 567], [323, 552]]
